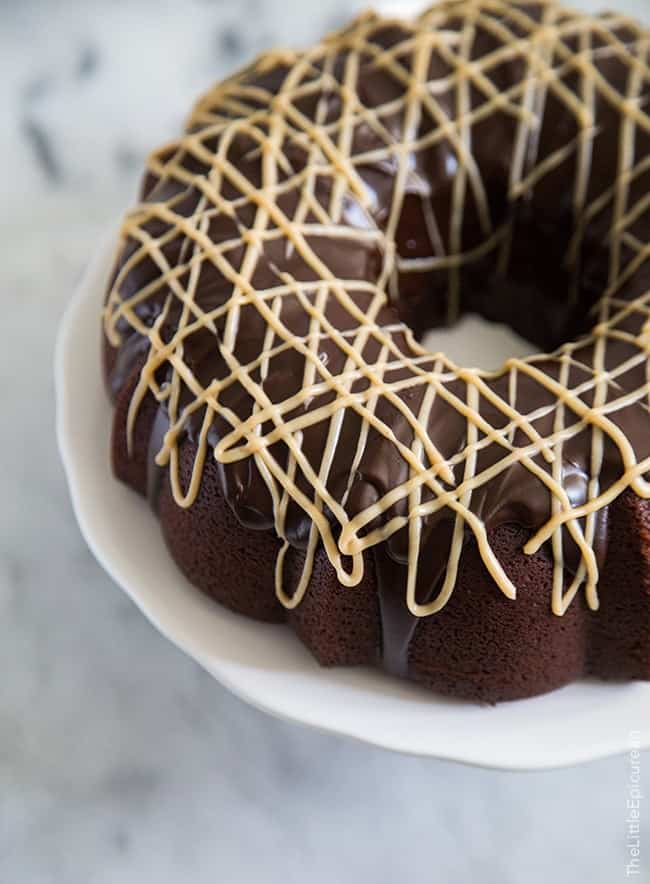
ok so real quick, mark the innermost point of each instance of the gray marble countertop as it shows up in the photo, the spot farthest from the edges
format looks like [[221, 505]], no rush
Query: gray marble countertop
[[120, 759]]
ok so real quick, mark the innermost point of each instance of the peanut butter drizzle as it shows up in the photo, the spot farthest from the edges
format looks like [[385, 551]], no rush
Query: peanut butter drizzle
[[240, 107]]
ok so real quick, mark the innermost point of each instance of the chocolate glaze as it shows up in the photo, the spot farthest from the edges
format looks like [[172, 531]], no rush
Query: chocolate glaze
[[531, 294], [156, 473]]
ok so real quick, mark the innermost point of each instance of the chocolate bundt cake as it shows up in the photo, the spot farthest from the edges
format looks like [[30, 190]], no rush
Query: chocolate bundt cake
[[486, 534]]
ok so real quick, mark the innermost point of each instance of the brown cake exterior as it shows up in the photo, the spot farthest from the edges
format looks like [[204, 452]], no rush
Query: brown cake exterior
[[481, 646], [364, 203]]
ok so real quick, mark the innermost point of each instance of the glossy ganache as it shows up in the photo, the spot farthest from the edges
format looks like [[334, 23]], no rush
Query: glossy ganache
[[485, 534]]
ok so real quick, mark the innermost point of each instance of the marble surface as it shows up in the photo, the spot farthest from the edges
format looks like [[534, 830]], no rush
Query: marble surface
[[120, 760]]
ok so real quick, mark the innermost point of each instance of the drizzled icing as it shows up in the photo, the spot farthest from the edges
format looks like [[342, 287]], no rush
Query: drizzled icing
[[308, 193]]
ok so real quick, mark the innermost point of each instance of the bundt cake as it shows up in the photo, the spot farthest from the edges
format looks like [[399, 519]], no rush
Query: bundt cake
[[485, 534]]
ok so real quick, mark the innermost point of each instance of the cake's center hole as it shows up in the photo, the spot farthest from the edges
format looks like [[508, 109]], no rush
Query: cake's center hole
[[505, 303], [474, 342]]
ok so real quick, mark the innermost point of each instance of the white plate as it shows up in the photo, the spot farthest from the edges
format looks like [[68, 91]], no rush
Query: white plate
[[265, 664]]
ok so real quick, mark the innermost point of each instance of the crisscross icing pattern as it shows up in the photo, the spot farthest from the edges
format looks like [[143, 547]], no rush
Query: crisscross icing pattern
[[309, 195]]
